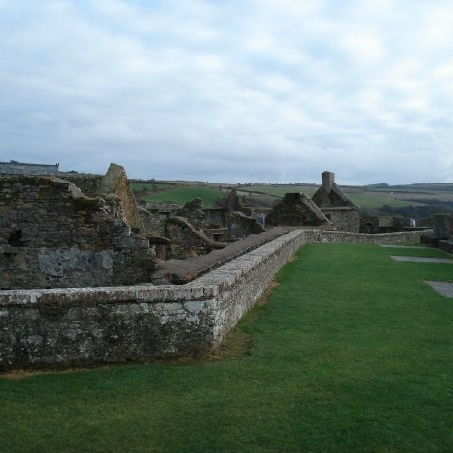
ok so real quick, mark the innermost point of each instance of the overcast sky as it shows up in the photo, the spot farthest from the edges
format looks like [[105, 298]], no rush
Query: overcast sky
[[231, 90]]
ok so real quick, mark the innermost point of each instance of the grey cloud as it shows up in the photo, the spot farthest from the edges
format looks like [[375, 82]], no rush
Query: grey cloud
[[194, 90]]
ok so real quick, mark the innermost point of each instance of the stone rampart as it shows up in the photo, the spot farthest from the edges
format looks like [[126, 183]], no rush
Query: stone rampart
[[50, 328]]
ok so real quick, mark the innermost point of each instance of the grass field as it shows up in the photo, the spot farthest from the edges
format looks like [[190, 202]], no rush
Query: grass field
[[210, 193], [281, 190], [375, 201], [184, 194], [352, 352]]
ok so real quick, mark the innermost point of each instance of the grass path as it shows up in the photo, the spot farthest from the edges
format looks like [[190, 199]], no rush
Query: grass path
[[352, 352]]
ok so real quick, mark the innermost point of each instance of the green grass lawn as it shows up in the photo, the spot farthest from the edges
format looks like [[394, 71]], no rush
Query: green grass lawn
[[351, 352]]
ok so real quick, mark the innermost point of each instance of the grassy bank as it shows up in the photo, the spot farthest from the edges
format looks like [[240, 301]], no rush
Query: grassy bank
[[352, 352]]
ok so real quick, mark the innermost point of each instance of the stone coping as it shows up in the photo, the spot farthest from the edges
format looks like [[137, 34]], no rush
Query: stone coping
[[111, 294], [183, 271]]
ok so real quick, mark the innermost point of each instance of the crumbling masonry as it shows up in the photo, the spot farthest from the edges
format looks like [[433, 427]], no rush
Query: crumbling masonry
[[76, 267], [53, 236]]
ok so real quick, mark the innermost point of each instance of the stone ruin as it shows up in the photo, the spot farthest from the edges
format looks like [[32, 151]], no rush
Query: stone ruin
[[441, 235], [81, 282], [336, 206], [180, 232], [296, 210], [52, 235], [18, 168], [381, 224], [78, 230], [329, 208]]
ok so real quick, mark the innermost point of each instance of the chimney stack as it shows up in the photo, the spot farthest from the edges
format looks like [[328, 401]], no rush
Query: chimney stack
[[328, 180]]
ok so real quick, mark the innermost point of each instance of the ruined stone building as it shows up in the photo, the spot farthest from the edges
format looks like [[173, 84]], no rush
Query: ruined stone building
[[336, 206], [77, 230], [296, 209], [179, 232], [53, 235], [80, 257], [19, 168], [381, 224], [442, 233]]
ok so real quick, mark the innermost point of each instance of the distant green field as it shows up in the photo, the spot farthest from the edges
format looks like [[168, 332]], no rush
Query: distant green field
[[184, 194], [151, 186], [370, 201], [364, 200], [280, 190]]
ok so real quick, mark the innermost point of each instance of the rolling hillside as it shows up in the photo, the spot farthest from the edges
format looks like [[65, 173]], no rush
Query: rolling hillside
[[420, 201]]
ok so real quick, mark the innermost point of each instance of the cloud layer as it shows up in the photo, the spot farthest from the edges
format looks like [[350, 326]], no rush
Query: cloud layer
[[237, 91]]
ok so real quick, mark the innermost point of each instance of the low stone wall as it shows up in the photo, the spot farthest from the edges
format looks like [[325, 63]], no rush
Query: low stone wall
[[182, 271], [446, 246], [85, 326], [360, 238], [19, 168]]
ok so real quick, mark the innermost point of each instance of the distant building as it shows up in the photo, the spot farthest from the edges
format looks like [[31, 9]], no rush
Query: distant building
[[18, 168], [296, 209], [336, 206], [382, 224]]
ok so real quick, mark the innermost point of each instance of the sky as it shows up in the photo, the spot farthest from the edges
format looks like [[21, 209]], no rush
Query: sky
[[230, 91]]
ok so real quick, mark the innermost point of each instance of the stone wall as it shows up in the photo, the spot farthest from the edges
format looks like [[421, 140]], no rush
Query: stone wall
[[153, 221], [215, 218], [193, 212], [377, 224], [19, 168], [71, 327], [335, 204], [344, 219], [186, 241], [359, 238], [443, 226], [52, 235], [296, 209], [182, 271], [89, 184], [241, 225], [115, 181]]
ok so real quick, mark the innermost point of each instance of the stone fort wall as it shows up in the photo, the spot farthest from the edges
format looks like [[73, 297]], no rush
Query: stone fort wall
[[50, 328]]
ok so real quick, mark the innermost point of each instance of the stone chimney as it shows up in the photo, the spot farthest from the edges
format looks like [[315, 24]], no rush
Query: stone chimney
[[328, 180]]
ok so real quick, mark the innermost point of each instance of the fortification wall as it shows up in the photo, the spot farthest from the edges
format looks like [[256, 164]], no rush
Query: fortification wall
[[70, 327]]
